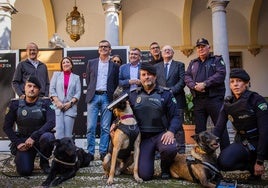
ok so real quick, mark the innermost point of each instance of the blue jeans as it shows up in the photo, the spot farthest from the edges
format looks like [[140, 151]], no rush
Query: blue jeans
[[98, 104]]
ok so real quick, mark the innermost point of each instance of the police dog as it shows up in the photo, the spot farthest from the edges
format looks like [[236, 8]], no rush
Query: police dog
[[66, 161], [200, 166], [125, 137]]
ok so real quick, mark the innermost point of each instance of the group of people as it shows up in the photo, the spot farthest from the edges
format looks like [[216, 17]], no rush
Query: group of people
[[156, 94]]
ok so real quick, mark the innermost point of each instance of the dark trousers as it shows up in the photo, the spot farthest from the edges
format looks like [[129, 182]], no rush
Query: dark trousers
[[237, 157], [24, 160], [180, 136], [148, 146], [209, 106]]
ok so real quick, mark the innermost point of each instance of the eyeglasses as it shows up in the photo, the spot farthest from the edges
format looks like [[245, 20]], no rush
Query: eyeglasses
[[134, 54], [104, 46], [155, 47], [115, 61]]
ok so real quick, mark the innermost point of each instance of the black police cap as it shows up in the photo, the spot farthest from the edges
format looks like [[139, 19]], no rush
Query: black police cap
[[34, 80], [148, 67], [202, 41], [239, 73]]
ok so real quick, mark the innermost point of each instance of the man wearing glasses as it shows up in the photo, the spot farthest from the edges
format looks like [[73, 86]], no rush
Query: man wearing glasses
[[102, 80], [156, 53]]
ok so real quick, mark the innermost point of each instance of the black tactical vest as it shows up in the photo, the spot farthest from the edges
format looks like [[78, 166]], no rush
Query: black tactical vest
[[242, 115], [148, 111], [29, 118]]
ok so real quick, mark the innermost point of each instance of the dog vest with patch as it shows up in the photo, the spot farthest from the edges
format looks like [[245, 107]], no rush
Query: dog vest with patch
[[29, 117], [149, 112], [242, 115], [132, 131]]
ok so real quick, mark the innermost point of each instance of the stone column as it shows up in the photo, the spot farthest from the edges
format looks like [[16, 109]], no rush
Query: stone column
[[6, 10], [220, 37], [111, 9]]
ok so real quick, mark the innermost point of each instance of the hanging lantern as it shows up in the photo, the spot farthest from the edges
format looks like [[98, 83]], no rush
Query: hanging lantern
[[75, 24]]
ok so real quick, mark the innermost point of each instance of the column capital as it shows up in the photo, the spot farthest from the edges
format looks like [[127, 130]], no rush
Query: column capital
[[254, 49], [7, 7], [217, 5], [187, 50], [111, 5]]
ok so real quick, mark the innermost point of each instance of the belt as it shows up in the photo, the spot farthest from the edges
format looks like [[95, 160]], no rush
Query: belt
[[100, 92]]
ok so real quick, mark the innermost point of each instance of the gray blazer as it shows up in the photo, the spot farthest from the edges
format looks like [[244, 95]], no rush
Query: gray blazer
[[57, 89], [175, 80], [91, 79]]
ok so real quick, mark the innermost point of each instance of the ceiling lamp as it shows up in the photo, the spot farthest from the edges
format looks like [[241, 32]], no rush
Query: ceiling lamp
[[75, 24]]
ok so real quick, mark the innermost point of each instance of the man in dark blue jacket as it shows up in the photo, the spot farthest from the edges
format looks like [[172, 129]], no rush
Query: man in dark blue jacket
[[205, 78], [35, 119], [157, 114]]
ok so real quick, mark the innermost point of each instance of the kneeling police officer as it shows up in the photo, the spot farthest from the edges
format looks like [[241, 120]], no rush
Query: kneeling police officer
[[35, 119]]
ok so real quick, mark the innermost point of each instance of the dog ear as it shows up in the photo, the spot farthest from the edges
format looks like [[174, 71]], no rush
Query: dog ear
[[195, 137]]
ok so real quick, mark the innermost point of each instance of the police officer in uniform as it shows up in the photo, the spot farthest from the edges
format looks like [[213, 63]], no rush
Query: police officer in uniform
[[205, 78], [35, 119], [157, 114], [247, 111]]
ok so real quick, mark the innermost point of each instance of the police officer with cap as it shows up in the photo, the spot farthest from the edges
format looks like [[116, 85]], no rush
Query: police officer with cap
[[247, 110], [35, 119], [157, 114], [205, 77]]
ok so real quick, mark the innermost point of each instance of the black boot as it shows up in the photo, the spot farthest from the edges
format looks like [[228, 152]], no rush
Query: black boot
[[165, 172]]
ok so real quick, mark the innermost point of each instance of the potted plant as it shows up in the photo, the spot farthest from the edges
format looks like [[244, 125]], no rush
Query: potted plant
[[188, 124]]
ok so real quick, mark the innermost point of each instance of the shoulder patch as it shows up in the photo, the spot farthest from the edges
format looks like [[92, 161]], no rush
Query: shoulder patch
[[7, 110], [52, 107], [174, 100], [262, 106]]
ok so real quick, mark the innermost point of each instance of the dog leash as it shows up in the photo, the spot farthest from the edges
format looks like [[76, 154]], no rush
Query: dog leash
[[55, 159]]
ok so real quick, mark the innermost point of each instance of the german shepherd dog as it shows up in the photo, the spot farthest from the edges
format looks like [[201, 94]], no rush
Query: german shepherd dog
[[125, 138], [200, 166], [66, 161]]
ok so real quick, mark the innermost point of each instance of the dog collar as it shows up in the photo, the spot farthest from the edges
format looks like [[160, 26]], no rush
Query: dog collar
[[126, 116], [66, 163]]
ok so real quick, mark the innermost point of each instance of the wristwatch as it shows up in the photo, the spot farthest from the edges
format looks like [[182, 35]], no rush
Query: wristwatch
[[72, 103]]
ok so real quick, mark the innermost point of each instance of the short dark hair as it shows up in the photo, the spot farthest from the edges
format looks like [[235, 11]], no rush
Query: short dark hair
[[102, 41], [154, 43]]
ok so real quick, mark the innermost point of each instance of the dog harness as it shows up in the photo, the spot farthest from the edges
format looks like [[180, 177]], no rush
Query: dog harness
[[213, 171], [132, 131]]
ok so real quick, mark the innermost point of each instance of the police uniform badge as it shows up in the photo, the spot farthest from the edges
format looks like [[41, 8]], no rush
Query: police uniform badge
[[230, 118], [24, 112], [262, 106], [138, 100], [222, 62], [174, 100]]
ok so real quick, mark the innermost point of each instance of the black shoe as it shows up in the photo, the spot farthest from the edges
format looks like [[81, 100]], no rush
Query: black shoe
[[45, 168], [165, 175], [102, 155]]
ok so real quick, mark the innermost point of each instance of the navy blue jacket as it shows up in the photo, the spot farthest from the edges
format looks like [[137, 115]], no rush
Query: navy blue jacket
[[169, 105], [215, 76], [11, 118], [259, 106]]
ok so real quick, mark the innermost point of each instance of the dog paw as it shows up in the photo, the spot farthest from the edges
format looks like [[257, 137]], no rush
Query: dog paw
[[138, 179], [110, 181]]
